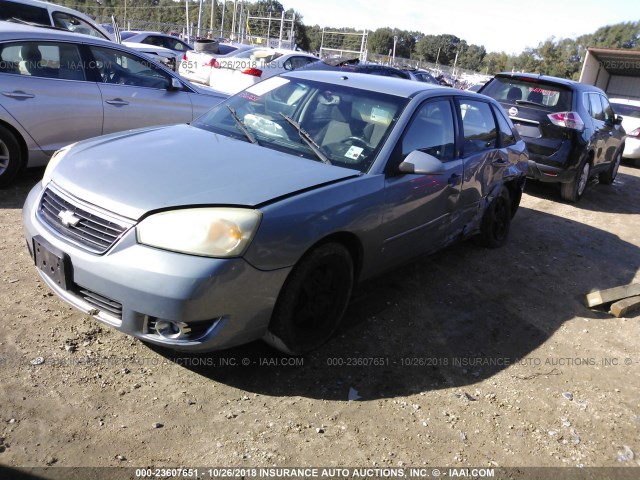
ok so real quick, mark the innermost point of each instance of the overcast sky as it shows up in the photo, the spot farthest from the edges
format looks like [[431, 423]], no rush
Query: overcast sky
[[499, 25]]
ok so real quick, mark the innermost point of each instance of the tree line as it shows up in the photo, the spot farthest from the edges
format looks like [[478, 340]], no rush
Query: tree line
[[560, 57]]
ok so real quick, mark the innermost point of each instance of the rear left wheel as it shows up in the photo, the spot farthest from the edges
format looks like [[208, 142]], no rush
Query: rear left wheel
[[312, 301], [496, 222]]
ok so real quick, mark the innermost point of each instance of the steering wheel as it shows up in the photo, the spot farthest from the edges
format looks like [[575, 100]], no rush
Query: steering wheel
[[358, 141]]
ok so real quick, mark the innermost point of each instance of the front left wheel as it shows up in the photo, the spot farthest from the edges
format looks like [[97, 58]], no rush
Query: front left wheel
[[313, 300], [607, 178]]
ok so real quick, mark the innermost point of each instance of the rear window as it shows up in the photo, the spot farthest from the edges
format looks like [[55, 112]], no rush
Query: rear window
[[626, 110], [519, 91]]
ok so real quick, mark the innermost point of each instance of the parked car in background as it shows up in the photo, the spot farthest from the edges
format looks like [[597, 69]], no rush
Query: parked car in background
[[283, 198], [197, 66], [422, 76], [630, 111], [157, 40], [354, 65], [570, 129], [249, 67], [45, 13], [57, 88]]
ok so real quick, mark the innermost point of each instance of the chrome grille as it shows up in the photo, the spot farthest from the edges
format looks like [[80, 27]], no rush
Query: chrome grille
[[102, 303], [93, 230]]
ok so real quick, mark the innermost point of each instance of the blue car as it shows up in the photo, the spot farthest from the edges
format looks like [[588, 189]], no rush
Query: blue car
[[256, 220]]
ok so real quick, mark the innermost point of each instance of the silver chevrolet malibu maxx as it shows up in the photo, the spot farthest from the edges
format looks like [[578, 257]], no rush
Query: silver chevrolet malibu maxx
[[255, 221]]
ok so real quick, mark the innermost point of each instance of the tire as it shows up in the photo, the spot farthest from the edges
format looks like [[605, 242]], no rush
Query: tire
[[607, 178], [312, 301], [10, 157], [573, 191], [496, 221]]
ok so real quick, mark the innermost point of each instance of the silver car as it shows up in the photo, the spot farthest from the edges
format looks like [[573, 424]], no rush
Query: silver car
[[57, 88], [255, 221]]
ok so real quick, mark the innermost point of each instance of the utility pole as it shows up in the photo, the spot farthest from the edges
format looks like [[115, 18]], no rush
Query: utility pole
[[224, 7]]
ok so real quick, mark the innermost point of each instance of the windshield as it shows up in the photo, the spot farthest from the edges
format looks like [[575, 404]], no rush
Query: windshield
[[626, 110], [325, 122]]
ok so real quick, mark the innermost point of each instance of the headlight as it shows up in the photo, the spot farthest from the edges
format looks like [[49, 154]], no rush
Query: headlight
[[212, 232], [55, 159]]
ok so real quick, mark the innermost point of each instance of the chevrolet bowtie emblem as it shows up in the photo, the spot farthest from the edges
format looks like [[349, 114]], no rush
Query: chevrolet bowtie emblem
[[68, 219]]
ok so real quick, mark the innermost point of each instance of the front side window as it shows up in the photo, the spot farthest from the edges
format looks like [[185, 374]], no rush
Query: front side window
[[479, 126], [606, 109], [75, 24], [338, 124], [42, 59], [122, 68], [431, 131]]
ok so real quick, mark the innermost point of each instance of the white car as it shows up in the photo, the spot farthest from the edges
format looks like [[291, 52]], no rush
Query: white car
[[197, 66], [630, 111], [168, 48], [252, 66]]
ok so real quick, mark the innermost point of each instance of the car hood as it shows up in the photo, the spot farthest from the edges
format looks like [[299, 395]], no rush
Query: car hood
[[134, 172]]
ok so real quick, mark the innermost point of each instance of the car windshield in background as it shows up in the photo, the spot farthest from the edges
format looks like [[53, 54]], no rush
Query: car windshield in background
[[309, 119], [625, 110], [520, 91]]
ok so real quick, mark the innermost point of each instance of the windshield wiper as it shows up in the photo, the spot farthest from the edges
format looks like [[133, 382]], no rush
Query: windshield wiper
[[529, 102], [242, 126], [304, 135]]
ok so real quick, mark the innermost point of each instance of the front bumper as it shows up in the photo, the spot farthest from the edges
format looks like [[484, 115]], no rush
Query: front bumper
[[225, 302]]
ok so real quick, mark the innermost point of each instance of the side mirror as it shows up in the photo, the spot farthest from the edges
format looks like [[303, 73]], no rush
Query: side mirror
[[421, 163], [175, 84], [618, 120]]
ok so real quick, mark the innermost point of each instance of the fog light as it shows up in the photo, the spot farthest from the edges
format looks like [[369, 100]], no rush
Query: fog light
[[169, 329]]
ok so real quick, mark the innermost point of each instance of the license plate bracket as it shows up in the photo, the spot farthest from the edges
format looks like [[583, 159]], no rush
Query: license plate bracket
[[52, 262]]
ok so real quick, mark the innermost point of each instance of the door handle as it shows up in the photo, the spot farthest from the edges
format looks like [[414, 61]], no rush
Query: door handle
[[499, 162], [18, 94], [117, 102], [454, 179]]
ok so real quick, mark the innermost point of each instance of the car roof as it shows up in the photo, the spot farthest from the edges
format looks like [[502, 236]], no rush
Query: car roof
[[549, 79], [19, 31], [377, 83]]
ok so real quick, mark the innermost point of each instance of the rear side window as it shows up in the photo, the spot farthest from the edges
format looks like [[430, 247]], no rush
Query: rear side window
[[522, 91], [28, 13], [42, 59], [506, 135], [479, 126], [595, 107]]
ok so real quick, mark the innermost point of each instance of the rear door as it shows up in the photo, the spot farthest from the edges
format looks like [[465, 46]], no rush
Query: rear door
[[136, 92], [44, 86]]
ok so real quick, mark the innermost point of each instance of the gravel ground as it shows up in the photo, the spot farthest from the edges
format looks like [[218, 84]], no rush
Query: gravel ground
[[468, 358]]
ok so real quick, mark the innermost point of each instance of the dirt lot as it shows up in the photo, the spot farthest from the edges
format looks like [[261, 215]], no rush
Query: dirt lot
[[469, 358]]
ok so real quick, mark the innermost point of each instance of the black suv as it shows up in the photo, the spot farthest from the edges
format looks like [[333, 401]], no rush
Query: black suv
[[570, 129]]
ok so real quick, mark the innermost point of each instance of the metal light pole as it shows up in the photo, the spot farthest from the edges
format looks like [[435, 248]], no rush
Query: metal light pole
[[395, 40], [224, 7]]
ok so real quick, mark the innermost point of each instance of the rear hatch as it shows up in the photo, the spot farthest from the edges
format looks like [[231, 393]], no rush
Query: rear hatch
[[529, 102]]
